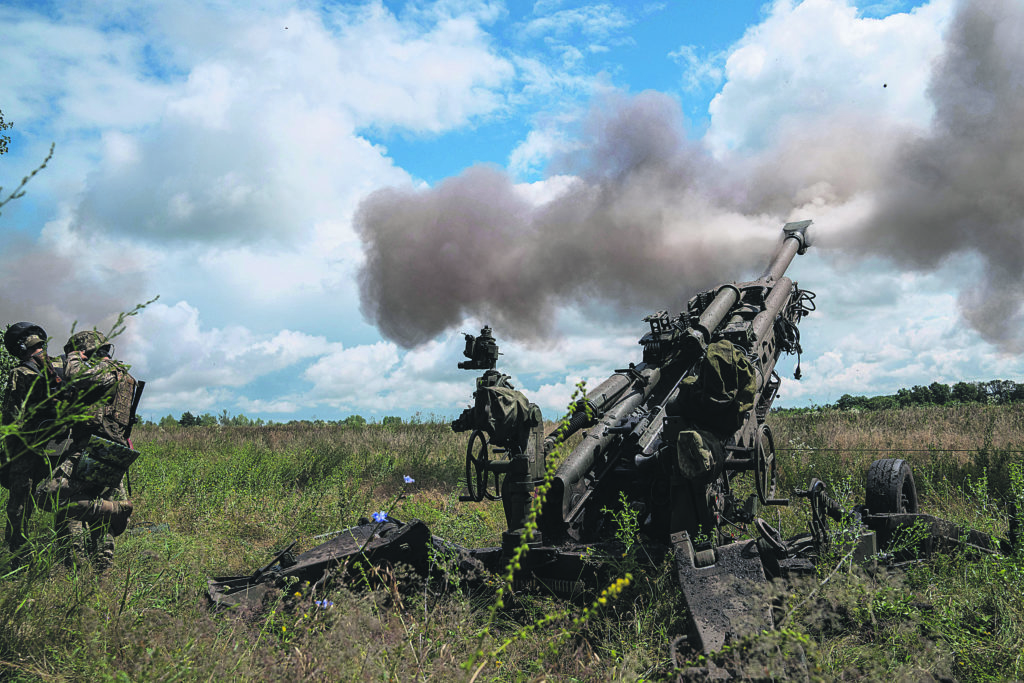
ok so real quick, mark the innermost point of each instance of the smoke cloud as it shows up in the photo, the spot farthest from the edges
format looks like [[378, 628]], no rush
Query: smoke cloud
[[960, 187], [650, 215], [642, 224], [47, 285]]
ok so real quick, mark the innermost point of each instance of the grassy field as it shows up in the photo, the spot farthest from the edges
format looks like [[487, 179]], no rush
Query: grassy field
[[217, 501]]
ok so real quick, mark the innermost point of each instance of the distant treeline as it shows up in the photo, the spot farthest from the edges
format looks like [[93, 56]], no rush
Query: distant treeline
[[225, 419], [994, 392]]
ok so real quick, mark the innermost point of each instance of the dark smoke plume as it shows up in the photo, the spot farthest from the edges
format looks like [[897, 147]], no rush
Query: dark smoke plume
[[960, 189], [642, 225], [651, 216]]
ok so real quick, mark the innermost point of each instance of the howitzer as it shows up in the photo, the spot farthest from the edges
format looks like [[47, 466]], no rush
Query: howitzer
[[671, 432], [681, 436]]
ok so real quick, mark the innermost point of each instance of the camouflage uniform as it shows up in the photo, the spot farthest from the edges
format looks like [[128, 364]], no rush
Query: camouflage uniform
[[33, 450], [107, 388]]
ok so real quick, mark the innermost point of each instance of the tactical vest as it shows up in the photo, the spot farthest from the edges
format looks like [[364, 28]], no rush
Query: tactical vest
[[41, 391], [115, 416], [34, 386]]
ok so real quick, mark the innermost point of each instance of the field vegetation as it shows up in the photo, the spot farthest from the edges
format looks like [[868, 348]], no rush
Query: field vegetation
[[218, 500]]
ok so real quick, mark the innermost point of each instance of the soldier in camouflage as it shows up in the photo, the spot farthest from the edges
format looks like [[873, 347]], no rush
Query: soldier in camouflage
[[80, 497], [34, 446]]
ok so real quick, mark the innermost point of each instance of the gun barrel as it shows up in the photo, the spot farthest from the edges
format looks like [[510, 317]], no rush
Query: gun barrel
[[766, 344], [795, 242], [716, 311], [581, 460], [780, 296]]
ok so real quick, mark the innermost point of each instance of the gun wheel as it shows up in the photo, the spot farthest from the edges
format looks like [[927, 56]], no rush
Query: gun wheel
[[891, 487], [476, 468], [765, 475]]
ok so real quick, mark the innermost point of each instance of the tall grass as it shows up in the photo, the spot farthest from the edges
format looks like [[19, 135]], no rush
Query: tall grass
[[219, 501]]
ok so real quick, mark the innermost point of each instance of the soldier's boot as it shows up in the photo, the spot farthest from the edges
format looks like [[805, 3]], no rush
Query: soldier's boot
[[70, 542], [18, 547], [20, 555], [101, 549], [114, 513]]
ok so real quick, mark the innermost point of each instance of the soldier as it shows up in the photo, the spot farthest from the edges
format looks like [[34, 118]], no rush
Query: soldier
[[79, 496], [34, 446]]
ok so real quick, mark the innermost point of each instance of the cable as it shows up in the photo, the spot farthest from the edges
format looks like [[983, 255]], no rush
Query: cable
[[901, 450]]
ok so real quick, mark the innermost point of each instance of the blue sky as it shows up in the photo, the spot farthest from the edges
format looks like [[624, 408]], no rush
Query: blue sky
[[229, 158]]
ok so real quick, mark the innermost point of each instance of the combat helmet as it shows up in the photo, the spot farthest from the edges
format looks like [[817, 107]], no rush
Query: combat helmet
[[88, 342], [20, 337]]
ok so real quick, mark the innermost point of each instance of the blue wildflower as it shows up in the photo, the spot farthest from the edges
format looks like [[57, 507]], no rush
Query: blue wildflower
[[380, 516], [323, 604], [409, 480]]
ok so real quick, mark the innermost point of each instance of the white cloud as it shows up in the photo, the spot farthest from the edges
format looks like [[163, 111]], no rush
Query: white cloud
[[547, 190], [817, 59], [543, 80], [596, 22], [393, 74], [380, 379], [275, 406], [350, 370], [575, 33], [377, 379], [699, 71], [74, 72], [168, 346], [157, 400]]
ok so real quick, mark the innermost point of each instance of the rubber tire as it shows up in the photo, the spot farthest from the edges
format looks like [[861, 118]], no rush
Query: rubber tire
[[891, 487], [766, 445]]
